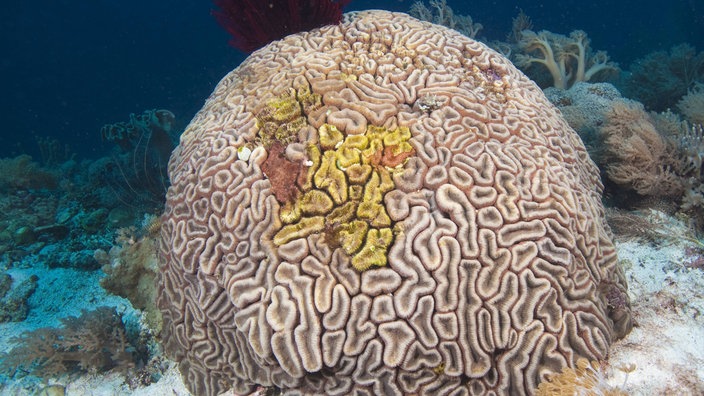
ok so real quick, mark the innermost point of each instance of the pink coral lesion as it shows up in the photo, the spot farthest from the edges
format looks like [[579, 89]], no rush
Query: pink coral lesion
[[393, 157], [283, 174]]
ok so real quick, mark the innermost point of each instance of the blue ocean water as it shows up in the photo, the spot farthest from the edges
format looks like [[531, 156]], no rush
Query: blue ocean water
[[70, 67]]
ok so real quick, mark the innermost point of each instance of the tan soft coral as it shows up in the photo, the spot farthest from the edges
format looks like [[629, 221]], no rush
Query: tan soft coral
[[442, 14], [692, 104], [587, 378], [567, 59], [130, 269], [22, 172], [656, 155], [638, 156], [94, 342]]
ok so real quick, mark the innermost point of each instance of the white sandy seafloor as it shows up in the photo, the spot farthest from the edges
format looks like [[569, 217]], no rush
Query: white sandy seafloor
[[666, 346], [667, 299]]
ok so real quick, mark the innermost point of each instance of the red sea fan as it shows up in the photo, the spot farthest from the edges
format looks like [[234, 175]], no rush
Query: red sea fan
[[255, 23]]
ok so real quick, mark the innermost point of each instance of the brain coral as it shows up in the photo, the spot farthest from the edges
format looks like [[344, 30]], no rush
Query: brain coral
[[383, 207]]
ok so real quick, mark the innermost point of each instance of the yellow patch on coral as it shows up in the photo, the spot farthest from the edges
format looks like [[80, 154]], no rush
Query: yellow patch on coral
[[284, 108], [306, 226], [373, 213], [356, 141], [348, 77], [315, 202], [314, 157], [344, 190], [342, 214], [309, 101], [356, 193], [346, 157], [352, 235], [401, 148], [379, 184], [283, 117], [329, 136], [373, 253], [290, 212], [397, 137], [330, 178], [358, 173]]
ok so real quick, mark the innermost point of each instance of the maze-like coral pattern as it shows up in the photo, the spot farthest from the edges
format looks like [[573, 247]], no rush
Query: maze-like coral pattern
[[341, 195], [499, 267]]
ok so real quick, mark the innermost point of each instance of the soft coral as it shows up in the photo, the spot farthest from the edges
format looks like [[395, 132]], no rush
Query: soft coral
[[255, 23], [568, 59]]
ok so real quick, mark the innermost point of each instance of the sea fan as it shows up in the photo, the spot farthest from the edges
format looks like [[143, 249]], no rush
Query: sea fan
[[255, 23]]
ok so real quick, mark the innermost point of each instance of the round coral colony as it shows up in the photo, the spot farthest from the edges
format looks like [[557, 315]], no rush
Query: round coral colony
[[384, 207]]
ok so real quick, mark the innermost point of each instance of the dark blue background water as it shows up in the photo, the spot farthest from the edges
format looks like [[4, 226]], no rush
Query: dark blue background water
[[69, 67]]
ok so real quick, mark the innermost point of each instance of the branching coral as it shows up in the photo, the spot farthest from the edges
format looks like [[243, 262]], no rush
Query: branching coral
[[94, 342], [137, 170], [150, 129], [638, 156], [130, 270], [692, 105], [656, 155], [567, 59], [442, 14], [519, 23], [661, 78], [587, 378], [23, 173], [691, 149]]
